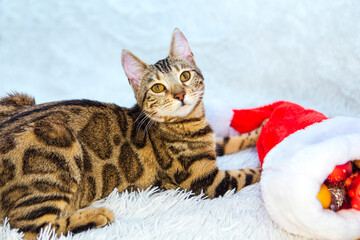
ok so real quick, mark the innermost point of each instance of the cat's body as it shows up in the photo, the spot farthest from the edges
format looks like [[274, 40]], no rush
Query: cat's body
[[57, 158]]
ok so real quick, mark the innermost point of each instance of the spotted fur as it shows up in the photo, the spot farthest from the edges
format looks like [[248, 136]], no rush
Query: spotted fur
[[232, 144], [59, 157]]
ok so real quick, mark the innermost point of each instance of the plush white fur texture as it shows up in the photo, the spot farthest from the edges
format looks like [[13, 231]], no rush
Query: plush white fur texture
[[298, 166], [251, 53], [173, 215]]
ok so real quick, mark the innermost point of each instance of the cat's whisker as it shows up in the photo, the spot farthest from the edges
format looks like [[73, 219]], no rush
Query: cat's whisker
[[164, 111], [198, 93], [142, 114], [147, 118], [148, 125], [142, 121], [138, 128]]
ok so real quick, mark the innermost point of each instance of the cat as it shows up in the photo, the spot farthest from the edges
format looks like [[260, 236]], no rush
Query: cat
[[57, 158]]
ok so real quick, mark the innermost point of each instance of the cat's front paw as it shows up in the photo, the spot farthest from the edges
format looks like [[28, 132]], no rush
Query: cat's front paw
[[84, 220], [91, 218]]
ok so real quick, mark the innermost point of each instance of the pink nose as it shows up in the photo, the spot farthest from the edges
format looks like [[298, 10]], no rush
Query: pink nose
[[179, 96]]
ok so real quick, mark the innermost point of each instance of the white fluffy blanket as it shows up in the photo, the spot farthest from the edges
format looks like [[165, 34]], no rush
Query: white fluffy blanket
[[250, 52]]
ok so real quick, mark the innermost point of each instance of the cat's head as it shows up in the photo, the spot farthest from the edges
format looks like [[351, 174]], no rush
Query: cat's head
[[171, 88]]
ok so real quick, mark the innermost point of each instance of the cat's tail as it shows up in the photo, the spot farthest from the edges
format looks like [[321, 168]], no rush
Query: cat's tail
[[13, 103]]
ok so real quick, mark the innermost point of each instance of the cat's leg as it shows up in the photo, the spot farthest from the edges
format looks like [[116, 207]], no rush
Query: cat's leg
[[48, 201], [30, 210], [232, 144], [50, 188], [83, 220], [207, 178], [203, 175], [75, 222]]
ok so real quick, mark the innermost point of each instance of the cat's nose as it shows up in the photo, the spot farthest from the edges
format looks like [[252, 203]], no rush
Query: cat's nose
[[179, 96]]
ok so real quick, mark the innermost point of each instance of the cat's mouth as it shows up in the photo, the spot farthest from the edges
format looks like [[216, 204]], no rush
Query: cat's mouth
[[184, 108]]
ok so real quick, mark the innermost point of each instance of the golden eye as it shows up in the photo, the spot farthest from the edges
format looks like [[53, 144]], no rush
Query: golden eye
[[158, 88], [185, 76]]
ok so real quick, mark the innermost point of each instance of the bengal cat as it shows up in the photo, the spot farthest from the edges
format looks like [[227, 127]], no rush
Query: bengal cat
[[57, 158]]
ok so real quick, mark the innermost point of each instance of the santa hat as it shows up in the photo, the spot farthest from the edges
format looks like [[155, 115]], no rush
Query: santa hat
[[298, 149], [284, 118]]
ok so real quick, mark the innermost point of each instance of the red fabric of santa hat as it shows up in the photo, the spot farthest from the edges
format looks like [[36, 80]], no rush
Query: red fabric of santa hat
[[285, 118]]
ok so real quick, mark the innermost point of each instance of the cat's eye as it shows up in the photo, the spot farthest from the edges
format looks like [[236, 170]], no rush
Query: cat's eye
[[158, 88], [185, 76]]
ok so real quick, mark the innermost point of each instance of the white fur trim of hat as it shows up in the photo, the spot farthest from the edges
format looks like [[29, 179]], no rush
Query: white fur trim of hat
[[294, 170]]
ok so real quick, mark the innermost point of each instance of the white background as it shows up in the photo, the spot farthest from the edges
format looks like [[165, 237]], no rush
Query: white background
[[250, 52]]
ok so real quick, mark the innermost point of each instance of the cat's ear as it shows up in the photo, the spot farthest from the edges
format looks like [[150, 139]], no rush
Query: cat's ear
[[134, 68], [180, 48]]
